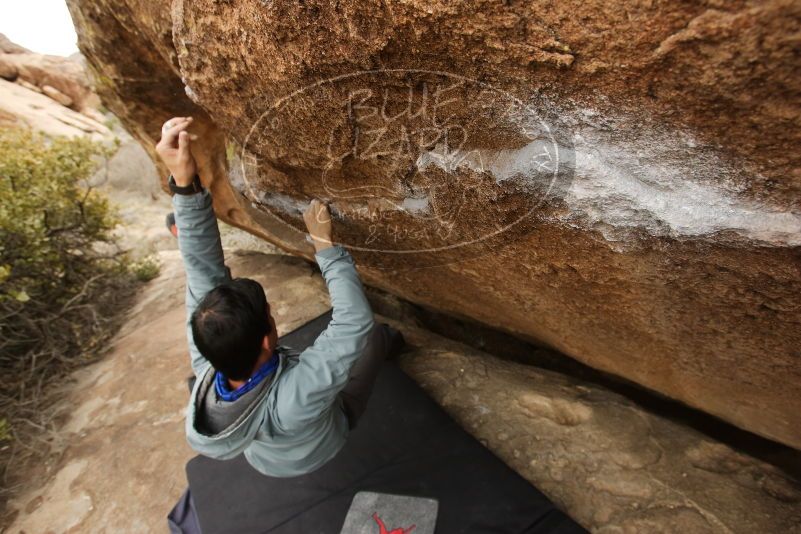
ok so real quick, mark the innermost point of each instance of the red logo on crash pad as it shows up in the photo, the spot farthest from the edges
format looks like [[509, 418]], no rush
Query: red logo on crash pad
[[384, 530]]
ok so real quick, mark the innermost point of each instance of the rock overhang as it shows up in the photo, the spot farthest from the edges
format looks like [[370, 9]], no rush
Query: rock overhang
[[665, 249]]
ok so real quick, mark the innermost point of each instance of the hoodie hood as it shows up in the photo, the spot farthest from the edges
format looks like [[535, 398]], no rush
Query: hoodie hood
[[222, 429]]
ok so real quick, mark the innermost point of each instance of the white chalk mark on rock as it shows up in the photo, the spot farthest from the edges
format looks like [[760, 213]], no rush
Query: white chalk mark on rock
[[416, 205], [285, 203], [628, 176], [657, 198]]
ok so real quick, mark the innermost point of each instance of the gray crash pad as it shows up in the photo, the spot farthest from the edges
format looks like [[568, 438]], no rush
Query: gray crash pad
[[405, 444]]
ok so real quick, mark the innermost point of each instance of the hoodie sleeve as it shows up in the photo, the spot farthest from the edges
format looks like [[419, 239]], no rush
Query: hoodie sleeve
[[309, 389], [202, 253]]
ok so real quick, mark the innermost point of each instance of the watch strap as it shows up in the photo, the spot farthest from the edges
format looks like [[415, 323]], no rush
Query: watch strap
[[191, 189]]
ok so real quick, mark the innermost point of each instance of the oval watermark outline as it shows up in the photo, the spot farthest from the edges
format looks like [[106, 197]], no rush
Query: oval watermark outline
[[244, 156]]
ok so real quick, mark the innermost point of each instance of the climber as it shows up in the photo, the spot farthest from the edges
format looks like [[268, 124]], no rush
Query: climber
[[288, 413]]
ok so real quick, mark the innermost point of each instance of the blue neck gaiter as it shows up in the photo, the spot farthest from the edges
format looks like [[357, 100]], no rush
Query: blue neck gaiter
[[227, 394]]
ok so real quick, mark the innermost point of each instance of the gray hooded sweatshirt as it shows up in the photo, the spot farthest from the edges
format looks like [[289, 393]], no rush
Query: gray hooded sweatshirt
[[292, 422]]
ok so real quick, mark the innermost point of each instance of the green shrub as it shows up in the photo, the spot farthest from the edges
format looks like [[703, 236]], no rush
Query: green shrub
[[146, 269], [49, 224], [62, 280]]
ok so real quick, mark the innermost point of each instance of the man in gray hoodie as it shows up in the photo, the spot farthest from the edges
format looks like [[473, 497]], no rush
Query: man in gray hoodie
[[287, 413]]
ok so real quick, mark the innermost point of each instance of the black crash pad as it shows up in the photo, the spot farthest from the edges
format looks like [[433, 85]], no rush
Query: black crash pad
[[404, 444]]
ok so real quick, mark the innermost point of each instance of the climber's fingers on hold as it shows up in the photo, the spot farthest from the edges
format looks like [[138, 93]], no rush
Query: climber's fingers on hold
[[171, 129], [183, 146], [321, 211]]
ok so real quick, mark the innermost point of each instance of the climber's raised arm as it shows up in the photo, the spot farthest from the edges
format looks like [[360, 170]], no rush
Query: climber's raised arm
[[309, 390], [198, 234]]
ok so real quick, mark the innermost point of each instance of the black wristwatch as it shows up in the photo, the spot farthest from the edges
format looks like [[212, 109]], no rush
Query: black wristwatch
[[191, 189]]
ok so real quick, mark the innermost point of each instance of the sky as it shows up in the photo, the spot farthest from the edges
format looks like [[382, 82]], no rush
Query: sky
[[42, 26]]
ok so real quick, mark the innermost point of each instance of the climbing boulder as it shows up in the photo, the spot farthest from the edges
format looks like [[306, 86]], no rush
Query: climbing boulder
[[619, 181]]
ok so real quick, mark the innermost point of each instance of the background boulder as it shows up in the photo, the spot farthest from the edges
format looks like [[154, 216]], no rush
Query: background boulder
[[51, 94], [65, 78]]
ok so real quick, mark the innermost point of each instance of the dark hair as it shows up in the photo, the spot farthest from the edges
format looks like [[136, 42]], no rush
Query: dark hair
[[229, 325]]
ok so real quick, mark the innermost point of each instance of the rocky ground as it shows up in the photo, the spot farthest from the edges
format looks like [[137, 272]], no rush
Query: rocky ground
[[618, 459], [614, 464]]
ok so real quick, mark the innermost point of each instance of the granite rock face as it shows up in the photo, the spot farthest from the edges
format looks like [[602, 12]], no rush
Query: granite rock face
[[619, 181]]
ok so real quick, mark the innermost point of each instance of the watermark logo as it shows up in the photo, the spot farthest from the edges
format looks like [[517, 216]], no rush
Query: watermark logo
[[411, 161]]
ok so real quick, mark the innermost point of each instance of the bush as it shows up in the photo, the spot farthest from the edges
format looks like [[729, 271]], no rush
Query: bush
[[57, 258], [146, 269]]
